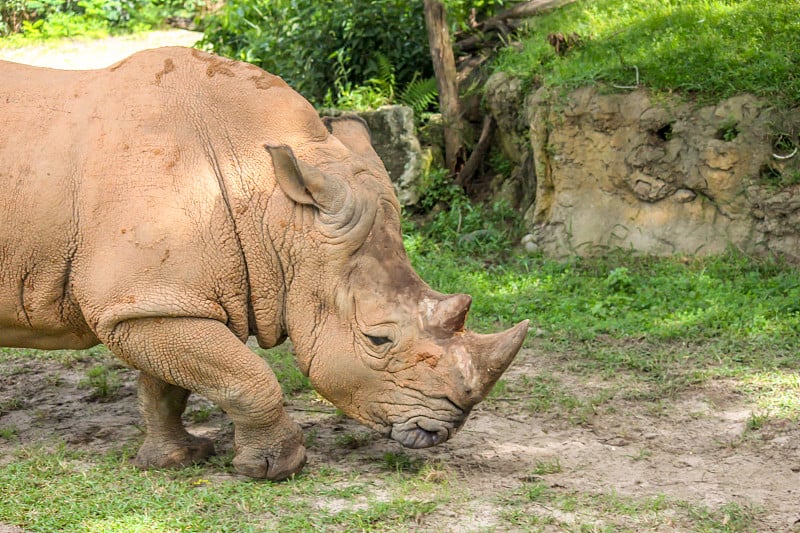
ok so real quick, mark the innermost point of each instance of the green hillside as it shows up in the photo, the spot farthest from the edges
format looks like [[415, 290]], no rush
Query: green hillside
[[709, 48]]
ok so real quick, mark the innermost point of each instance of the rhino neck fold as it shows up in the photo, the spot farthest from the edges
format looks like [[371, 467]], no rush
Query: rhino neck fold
[[246, 206]]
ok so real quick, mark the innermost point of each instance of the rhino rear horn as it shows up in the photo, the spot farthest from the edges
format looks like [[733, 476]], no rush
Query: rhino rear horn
[[353, 132], [450, 313], [304, 183]]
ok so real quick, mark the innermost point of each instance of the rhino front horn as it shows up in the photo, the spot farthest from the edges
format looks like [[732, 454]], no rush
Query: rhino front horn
[[491, 354]]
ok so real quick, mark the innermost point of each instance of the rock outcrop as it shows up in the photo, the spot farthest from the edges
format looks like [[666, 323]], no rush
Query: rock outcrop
[[660, 175], [395, 140]]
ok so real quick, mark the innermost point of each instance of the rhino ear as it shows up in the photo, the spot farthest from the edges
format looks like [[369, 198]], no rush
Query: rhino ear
[[304, 183], [353, 132]]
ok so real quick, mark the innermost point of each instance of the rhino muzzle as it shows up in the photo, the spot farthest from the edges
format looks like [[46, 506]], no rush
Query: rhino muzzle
[[476, 362], [424, 433]]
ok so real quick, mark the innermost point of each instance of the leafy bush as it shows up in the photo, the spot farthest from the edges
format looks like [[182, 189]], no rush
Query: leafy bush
[[420, 94], [454, 223], [312, 44], [333, 48], [38, 19]]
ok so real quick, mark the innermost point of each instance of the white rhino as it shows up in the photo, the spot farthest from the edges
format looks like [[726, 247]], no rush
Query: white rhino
[[175, 204]]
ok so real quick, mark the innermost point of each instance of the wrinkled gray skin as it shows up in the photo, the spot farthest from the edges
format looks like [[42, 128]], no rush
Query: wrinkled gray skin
[[176, 203]]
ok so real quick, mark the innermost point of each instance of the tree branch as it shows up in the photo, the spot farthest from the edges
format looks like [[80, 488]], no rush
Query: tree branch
[[473, 164]]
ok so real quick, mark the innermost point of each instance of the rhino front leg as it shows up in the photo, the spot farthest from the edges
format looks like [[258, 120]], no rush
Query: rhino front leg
[[167, 443], [203, 356]]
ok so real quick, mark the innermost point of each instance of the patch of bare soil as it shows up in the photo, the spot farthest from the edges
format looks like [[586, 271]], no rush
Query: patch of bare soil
[[695, 449], [100, 53]]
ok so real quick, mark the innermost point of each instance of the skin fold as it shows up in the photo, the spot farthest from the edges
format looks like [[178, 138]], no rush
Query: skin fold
[[176, 203]]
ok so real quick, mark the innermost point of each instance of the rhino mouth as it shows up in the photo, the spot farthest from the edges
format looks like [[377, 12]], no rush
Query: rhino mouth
[[424, 432]]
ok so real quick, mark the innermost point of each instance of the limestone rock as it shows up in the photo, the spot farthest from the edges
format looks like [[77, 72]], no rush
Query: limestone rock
[[394, 139], [660, 176], [505, 96]]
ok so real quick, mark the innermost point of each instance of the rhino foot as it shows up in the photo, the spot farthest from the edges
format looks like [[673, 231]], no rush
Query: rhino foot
[[256, 464], [161, 454]]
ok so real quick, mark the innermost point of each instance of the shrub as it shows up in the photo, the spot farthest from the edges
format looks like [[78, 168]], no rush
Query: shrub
[[69, 18], [311, 44], [319, 47]]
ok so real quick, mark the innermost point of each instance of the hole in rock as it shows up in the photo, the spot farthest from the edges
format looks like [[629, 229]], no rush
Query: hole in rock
[[770, 173], [728, 131], [783, 144], [664, 132]]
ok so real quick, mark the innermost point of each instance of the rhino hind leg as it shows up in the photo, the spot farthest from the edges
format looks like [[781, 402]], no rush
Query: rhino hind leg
[[167, 443], [204, 356]]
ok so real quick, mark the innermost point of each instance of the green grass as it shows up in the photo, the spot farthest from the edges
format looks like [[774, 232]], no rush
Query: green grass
[[105, 382], [711, 48], [104, 494], [281, 360], [652, 327], [730, 299], [607, 332], [537, 504]]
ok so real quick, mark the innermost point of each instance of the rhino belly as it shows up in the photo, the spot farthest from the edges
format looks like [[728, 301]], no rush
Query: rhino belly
[[36, 310]]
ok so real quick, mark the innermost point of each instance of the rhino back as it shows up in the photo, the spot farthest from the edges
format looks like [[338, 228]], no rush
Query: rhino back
[[124, 184]]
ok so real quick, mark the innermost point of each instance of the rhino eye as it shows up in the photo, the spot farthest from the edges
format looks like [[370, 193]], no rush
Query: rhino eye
[[378, 341]]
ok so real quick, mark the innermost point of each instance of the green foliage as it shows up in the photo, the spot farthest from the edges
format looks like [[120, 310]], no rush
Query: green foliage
[[373, 93], [283, 363], [711, 48], [436, 187], [420, 94], [457, 224], [731, 297], [312, 45], [544, 468], [47, 19], [401, 462], [9, 405], [105, 493], [104, 382], [201, 414], [729, 129], [460, 12], [353, 441], [8, 433], [337, 53]]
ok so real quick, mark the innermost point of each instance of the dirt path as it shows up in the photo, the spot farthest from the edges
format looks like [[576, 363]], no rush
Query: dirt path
[[79, 55], [691, 451]]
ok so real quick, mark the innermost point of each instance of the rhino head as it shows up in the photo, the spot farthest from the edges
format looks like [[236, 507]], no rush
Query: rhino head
[[374, 338]]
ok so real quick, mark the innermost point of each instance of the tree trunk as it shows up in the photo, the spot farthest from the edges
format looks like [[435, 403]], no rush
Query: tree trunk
[[444, 66]]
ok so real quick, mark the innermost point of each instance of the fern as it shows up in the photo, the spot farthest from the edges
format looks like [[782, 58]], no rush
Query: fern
[[384, 81], [420, 94]]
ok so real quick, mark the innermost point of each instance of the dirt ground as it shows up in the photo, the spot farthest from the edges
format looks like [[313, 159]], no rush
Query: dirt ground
[[80, 55], [695, 449]]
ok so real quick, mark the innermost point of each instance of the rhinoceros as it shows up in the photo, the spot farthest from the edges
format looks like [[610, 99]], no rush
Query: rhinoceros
[[177, 203]]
